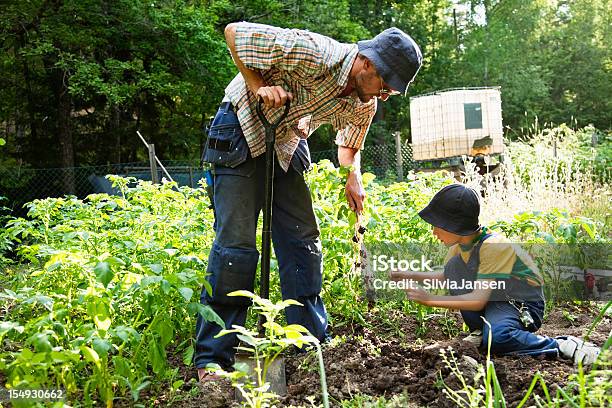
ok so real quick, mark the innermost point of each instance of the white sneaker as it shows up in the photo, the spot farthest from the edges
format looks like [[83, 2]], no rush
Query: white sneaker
[[578, 350], [474, 338]]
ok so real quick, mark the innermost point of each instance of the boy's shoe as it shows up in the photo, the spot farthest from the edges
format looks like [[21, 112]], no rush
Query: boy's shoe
[[578, 350], [474, 338], [216, 388]]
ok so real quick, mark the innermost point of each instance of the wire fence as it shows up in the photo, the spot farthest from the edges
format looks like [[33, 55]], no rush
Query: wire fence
[[20, 185]]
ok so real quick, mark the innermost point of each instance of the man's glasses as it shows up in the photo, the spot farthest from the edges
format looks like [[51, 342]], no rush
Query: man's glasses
[[384, 91]]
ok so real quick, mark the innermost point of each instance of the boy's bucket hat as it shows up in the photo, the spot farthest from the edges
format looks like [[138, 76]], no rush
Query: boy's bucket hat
[[455, 209]]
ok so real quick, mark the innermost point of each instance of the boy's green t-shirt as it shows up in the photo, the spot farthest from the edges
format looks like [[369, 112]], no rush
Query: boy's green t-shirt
[[500, 259]]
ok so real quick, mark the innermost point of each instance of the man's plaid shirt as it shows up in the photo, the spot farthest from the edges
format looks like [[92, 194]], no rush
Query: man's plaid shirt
[[315, 69]]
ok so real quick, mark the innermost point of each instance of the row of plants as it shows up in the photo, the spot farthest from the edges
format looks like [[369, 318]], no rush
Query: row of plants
[[97, 293]]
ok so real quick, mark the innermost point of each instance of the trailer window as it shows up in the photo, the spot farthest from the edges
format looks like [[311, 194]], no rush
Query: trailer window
[[473, 115]]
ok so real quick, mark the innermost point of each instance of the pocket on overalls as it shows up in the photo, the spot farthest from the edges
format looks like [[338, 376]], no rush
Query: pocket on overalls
[[226, 144], [231, 269]]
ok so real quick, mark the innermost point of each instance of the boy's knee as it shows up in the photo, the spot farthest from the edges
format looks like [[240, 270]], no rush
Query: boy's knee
[[502, 337]]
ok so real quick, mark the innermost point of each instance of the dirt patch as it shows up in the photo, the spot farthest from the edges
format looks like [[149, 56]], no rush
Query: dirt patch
[[372, 362], [391, 357]]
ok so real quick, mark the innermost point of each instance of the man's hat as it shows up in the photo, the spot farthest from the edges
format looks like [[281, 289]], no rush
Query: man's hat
[[455, 208], [395, 55]]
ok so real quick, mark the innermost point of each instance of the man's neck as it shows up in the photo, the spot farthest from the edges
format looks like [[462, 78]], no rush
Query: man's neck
[[350, 84]]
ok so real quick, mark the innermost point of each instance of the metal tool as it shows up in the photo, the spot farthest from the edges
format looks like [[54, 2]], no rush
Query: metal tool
[[276, 372], [266, 236]]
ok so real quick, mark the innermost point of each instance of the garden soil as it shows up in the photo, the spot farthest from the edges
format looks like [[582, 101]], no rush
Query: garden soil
[[388, 359]]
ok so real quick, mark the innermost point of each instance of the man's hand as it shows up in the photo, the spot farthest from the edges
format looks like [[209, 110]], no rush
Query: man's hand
[[273, 96], [354, 191]]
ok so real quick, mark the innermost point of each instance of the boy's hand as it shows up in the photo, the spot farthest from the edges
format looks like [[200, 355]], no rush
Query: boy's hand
[[418, 295], [399, 275]]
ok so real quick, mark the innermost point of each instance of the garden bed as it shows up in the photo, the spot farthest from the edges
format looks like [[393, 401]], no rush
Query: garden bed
[[388, 359]]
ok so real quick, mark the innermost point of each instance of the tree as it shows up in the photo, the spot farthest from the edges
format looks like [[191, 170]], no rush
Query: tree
[[89, 73]]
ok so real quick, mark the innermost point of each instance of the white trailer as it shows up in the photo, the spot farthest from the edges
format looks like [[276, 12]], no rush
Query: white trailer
[[452, 123]]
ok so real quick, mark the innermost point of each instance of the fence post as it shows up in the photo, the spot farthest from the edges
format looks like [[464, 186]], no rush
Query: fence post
[[154, 175], [398, 157]]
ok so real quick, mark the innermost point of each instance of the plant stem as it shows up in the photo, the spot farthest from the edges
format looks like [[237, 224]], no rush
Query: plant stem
[[322, 374]]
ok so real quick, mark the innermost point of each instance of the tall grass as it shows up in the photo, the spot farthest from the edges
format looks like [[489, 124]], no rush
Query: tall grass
[[551, 169]]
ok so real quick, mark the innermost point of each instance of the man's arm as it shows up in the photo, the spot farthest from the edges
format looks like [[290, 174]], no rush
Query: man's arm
[[354, 191], [273, 96]]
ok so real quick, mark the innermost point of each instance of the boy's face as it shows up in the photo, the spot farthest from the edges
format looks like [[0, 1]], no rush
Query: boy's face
[[447, 238]]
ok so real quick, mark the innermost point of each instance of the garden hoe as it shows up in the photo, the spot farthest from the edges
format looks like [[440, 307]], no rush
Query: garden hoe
[[276, 372]]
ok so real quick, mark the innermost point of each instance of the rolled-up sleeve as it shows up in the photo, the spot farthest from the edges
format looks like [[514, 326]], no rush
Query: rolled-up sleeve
[[353, 135], [263, 47]]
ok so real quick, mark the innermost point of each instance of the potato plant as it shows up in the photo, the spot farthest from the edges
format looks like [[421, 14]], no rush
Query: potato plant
[[96, 294]]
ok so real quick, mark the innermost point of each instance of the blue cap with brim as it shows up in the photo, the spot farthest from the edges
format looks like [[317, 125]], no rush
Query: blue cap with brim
[[395, 55]]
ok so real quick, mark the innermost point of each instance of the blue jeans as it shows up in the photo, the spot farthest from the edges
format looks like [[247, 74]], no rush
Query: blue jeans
[[232, 263], [508, 335]]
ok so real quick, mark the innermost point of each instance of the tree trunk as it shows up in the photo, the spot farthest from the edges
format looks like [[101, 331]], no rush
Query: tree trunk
[[64, 107], [115, 132]]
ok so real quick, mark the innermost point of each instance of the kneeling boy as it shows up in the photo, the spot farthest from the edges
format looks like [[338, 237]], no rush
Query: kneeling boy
[[486, 259]]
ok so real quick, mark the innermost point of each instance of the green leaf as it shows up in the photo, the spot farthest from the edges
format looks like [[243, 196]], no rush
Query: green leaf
[[99, 311], [5, 327], [125, 333], [188, 355], [165, 330], [157, 356], [103, 272], [186, 293], [156, 268], [208, 313], [46, 301], [367, 178], [251, 341], [165, 286], [102, 347], [136, 391], [352, 218], [2, 142], [244, 293], [90, 355], [171, 251], [41, 342], [122, 366]]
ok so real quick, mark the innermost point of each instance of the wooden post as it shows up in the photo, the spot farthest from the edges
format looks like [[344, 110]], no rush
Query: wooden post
[[153, 164], [398, 157]]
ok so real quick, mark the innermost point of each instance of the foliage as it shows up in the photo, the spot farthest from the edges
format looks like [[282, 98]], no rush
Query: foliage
[[265, 349], [101, 70], [108, 290], [107, 283], [79, 77], [104, 290]]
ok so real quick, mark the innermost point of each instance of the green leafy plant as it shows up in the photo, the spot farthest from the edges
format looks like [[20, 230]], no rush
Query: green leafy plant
[[264, 349]]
